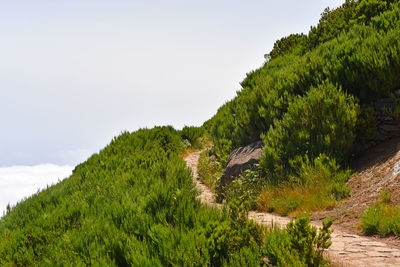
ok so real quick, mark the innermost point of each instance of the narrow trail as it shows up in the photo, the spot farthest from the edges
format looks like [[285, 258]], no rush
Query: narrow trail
[[346, 249]]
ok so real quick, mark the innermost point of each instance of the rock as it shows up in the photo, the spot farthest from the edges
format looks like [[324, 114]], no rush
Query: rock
[[380, 137], [394, 134], [386, 125], [267, 261], [390, 128], [241, 159]]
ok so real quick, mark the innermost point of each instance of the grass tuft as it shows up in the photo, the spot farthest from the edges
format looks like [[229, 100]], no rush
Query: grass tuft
[[382, 218], [319, 185]]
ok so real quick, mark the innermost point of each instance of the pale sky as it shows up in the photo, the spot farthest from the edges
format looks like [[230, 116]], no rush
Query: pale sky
[[75, 73]]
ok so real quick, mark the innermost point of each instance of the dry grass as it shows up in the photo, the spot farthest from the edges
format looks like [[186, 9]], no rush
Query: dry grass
[[319, 185], [187, 152], [294, 200]]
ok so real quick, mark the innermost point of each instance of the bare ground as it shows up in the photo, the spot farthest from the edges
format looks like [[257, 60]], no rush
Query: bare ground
[[377, 168]]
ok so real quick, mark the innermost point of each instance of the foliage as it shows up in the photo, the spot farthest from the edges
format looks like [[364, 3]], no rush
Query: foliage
[[367, 9], [331, 24], [366, 125], [230, 237], [134, 203], [246, 188], [322, 121], [319, 185], [209, 168], [192, 134], [284, 45], [298, 244], [363, 60], [382, 218]]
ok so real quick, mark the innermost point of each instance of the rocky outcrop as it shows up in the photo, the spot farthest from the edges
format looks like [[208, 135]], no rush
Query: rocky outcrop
[[241, 159], [387, 126]]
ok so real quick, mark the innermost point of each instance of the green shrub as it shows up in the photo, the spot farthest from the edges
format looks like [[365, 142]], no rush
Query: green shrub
[[134, 203], [382, 219], [192, 135], [226, 239], [246, 188], [366, 125], [209, 168], [361, 58], [298, 244], [322, 121]]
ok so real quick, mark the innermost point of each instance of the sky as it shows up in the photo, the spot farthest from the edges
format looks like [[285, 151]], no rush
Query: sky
[[75, 73]]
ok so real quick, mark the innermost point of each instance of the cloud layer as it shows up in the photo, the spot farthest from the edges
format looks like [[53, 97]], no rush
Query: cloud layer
[[17, 182]]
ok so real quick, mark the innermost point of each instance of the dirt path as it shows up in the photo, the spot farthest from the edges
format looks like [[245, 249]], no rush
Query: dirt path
[[346, 250]]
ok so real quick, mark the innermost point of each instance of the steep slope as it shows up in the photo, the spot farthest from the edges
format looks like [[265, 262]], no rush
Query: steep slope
[[362, 61], [311, 105], [378, 168], [133, 204]]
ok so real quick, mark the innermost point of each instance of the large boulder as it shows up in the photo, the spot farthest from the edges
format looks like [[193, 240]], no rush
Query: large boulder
[[241, 159]]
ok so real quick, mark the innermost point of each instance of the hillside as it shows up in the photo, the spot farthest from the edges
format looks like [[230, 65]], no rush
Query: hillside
[[377, 169], [131, 204], [134, 203], [311, 105]]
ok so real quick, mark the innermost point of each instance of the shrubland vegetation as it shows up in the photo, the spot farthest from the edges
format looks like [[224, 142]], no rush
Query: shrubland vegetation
[[362, 63], [298, 244], [193, 136], [209, 168], [310, 101], [134, 204]]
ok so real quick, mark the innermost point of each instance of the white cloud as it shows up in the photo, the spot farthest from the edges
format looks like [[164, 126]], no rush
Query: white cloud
[[17, 182]]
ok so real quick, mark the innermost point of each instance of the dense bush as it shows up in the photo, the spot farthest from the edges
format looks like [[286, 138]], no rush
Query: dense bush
[[312, 98], [246, 188], [331, 24], [134, 204], [381, 219], [284, 45], [363, 60], [298, 244], [322, 121], [209, 168], [231, 237], [192, 135]]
